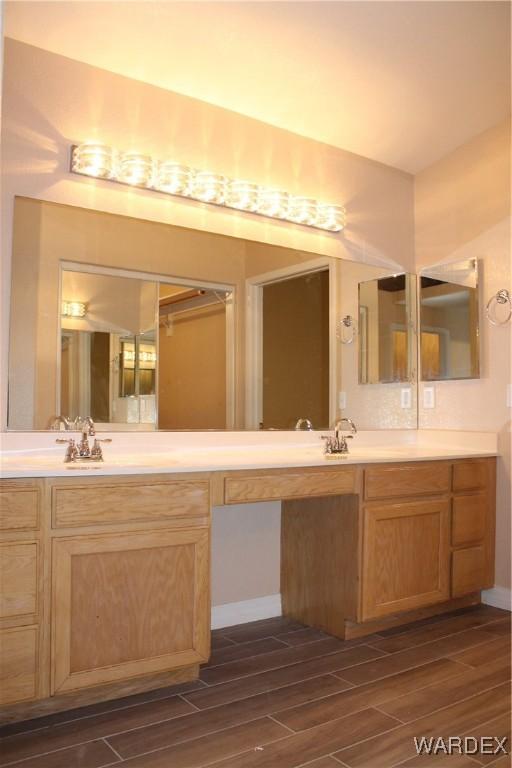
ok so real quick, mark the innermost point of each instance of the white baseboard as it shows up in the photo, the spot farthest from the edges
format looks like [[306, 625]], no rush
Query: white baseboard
[[499, 597], [247, 610]]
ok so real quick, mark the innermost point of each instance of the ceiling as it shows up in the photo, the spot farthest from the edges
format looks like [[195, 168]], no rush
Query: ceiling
[[403, 83]]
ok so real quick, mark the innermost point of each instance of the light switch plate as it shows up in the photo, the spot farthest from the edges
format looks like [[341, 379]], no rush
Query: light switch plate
[[509, 395], [342, 400], [405, 397], [429, 397]]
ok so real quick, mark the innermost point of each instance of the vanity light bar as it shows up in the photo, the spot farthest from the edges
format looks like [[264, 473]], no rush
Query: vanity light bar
[[103, 162], [73, 309]]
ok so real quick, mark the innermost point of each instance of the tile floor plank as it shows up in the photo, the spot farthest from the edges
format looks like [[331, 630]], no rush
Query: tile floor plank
[[398, 662], [99, 708], [370, 695], [236, 651], [256, 630], [212, 748], [281, 658], [276, 678], [94, 754], [206, 721], [297, 749], [301, 636], [394, 747], [426, 634], [470, 682], [484, 654], [500, 727], [90, 728], [493, 613]]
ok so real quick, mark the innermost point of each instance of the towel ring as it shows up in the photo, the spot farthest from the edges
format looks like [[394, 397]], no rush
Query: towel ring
[[502, 297], [346, 330]]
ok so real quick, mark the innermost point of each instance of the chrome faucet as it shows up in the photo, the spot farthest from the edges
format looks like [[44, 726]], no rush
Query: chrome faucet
[[304, 424], [337, 445], [84, 451]]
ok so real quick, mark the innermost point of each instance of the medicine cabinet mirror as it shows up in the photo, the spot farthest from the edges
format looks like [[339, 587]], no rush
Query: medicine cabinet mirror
[[387, 330], [449, 336]]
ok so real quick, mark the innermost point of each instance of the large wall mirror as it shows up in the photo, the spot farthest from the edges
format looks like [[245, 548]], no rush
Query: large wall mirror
[[146, 326], [449, 336]]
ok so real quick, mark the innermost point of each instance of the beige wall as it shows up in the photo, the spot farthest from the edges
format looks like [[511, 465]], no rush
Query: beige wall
[[462, 210], [51, 102]]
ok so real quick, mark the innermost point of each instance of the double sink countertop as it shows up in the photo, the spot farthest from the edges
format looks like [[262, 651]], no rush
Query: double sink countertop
[[34, 454]]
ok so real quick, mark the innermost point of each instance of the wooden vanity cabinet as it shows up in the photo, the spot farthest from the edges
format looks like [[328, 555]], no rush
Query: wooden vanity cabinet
[[128, 604], [130, 578], [429, 536]]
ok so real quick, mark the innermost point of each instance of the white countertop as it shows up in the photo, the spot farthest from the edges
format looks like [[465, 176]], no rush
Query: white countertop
[[35, 454]]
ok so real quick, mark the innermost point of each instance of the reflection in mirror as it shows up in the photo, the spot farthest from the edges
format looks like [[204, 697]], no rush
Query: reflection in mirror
[[386, 329], [296, 351], [108, 348], [195, 358], [449, 340], [185, 329]]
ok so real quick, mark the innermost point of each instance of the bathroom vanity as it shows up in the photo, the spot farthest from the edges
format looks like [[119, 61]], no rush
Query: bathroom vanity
[[106, 578]]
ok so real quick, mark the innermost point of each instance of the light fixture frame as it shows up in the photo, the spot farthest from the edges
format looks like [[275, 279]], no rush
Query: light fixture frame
[[110, 179]]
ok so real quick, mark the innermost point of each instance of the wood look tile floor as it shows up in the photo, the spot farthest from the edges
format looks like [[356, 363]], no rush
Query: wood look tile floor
[[278, 695]]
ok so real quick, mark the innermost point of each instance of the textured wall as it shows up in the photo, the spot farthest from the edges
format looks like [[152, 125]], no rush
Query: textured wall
[[462, 210]]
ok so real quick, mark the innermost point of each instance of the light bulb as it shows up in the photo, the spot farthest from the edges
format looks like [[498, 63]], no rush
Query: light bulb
[[302, 210], [136, 169], [73, 309], [94, 159], [173, 178], [273, 202], [330, 217], [242, 195], [208, 187]]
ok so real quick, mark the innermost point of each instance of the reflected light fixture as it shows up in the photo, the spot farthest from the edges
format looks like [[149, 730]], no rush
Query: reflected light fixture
[[141, 170], [73, 309]]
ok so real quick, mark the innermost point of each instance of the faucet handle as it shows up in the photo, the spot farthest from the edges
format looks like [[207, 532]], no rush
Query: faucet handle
[[71, 451]]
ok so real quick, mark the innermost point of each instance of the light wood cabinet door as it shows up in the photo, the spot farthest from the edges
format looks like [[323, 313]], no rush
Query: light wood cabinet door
[[406, 559], [128, 604]]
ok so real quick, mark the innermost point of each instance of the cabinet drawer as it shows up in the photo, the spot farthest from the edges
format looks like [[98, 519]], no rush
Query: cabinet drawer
[[18, 579], [288, 485], [19, 509], [469, 516], [392, 482], [18, 654], [469, 572], [96, 504], [470, 475]]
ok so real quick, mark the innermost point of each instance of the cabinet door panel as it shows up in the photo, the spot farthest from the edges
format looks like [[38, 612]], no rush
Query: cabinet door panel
[[406, 556], [128, 604]]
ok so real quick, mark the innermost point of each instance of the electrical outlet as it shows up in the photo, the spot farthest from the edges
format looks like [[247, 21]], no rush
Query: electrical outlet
[[509, 396], [429, 397], [405, 398], [342, 400]]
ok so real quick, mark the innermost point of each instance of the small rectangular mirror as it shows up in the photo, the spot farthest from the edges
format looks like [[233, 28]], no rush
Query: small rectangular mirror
[[449, 338], [387, 329]]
